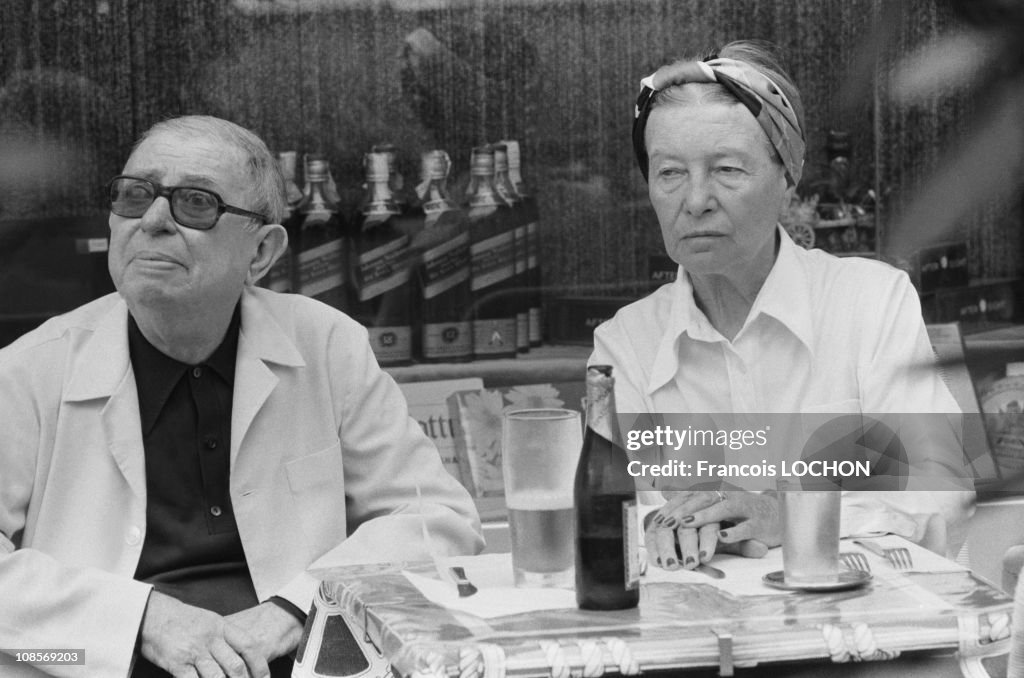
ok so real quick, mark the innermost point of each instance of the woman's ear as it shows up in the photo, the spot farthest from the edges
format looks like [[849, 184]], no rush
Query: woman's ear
[[271, 245], [787, 195]]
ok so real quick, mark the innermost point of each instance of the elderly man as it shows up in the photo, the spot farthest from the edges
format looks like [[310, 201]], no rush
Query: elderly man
[[175, 455], [755, 324]]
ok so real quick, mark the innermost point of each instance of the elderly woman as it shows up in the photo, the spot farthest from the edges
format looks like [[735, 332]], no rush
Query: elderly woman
[[754, 323]]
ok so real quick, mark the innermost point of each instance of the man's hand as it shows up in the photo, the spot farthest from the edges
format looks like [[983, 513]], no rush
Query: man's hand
[[189, 642], [687, 531], [275, 631]]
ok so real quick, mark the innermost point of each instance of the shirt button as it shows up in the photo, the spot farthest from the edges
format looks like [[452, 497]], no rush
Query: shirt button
[[133, 536], [197, 372], [211, 443], [215, 510]]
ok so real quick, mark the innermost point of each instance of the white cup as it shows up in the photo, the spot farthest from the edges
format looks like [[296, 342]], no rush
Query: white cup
[[810, 536]]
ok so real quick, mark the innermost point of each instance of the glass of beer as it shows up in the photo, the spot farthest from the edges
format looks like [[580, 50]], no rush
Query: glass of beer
[[540, 449]]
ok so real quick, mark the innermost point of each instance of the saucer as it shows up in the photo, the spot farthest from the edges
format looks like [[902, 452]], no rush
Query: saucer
[[846, 579]]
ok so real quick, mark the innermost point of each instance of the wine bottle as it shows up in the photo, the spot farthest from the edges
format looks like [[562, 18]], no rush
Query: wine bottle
[[280, 277], [533, 268], [321, 250], [446, 333], [379, 297], [492, 261], [607, 540], [519, 298]]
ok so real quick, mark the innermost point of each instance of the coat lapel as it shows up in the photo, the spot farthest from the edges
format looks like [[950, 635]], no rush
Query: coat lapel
[[102, 370], [260, 342]]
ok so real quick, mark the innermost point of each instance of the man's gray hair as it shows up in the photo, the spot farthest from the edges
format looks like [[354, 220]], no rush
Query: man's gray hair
[[267, 181]]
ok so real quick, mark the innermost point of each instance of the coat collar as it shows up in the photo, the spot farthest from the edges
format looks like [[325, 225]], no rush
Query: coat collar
[[262, 337], [102, 369], [104, 360]]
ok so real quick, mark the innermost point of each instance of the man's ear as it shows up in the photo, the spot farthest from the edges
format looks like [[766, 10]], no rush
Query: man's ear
[[271, 244]]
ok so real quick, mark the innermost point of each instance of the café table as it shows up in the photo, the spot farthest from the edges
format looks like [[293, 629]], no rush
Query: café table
[[938, 619]]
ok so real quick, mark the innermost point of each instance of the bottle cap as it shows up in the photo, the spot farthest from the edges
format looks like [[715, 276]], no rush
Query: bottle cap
[[316, 169], [482, 163], [434, 165], [512, 152], [377, 166], [389, 150], [500, 157], [286, 160]]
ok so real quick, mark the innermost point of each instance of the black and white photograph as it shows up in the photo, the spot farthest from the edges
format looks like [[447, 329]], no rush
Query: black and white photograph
[[511, 338]]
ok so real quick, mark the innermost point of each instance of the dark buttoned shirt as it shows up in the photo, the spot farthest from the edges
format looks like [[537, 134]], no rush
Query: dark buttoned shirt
[[192, 550]]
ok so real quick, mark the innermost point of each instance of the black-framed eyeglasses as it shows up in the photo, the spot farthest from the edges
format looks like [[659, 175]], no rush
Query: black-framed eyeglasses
[[191, 207]]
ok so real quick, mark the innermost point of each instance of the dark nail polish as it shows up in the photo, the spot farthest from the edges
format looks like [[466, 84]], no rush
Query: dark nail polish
[[703, 555], [723, 534], [690, 560], [659, 519], [657, 561], [688, 519], [671, 523], [671, 562]]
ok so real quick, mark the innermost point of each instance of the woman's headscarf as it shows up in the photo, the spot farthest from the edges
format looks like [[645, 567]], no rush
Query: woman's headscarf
[[752, 88]]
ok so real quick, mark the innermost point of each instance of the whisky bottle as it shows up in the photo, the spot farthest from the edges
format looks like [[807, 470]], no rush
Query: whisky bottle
[[528, 204], [520, 299], [443, 285], [280, 278], [321, 248], [492, 261], [379, 297]]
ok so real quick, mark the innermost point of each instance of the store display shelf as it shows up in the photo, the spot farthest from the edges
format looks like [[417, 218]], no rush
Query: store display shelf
[[541, 365], [1008, 339]]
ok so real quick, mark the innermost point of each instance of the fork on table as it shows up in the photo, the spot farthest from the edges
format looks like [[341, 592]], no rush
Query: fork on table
[[854, 560], [898, 557]]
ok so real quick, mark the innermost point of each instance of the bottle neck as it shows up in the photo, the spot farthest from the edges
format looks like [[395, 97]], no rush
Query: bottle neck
[[481, 191], [396, 184], [287, 162], [379, 198], [317, 205], [601, 418], [515, 177], [503, 186], [317, 191], [435, 191]]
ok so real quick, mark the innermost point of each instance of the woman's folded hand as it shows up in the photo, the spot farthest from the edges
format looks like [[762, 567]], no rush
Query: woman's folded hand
[[694, 525]]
